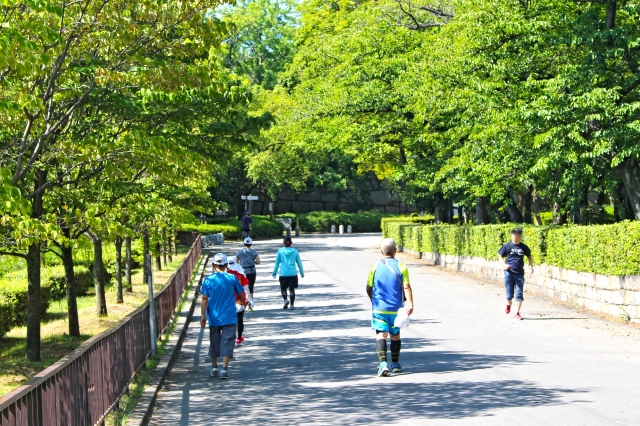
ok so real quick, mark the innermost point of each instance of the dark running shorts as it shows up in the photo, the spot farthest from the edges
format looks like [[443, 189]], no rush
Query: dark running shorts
[[288, 282]]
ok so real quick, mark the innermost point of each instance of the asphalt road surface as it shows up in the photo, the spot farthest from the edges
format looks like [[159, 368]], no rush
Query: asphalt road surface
[[465, 360]]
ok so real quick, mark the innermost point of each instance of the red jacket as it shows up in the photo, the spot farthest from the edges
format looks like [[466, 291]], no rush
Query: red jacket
[[243, 281]]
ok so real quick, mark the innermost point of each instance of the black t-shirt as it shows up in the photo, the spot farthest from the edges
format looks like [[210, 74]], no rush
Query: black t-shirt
[[246, 223], [514, 254]]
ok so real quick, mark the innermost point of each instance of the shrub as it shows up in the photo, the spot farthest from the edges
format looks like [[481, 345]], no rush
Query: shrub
[[13, 300], [321, 221], [231, 232], [425, 220], [601, 249]]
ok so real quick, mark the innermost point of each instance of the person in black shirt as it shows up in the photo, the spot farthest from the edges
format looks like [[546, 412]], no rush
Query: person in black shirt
[[511, 256]]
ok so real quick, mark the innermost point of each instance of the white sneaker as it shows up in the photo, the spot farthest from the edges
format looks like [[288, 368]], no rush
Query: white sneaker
[[224, 374], [215, 372], [286, 304]]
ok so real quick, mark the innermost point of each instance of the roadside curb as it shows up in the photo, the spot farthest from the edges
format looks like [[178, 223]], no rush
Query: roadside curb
[[141, 413]]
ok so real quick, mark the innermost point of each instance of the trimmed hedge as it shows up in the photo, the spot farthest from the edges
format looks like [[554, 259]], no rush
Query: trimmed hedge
[[232, 230], [600, 249], [424, 220], [321, 221]]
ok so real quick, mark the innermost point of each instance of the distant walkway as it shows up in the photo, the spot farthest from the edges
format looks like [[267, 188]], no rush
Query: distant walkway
[[466, 361]]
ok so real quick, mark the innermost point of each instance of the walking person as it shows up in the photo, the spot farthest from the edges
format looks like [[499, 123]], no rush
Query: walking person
[[219, 309], [248, 259], [511, 256], [388, 286], [247, 225], [286, 260], [244, 302]]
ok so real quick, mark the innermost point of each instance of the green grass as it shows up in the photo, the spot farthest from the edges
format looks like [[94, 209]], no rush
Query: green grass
[[56, 343]]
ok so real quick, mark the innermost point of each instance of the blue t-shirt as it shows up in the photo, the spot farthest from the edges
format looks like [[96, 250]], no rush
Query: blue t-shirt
[[514, 254], [246, 223], [388, 286], [221, 288]]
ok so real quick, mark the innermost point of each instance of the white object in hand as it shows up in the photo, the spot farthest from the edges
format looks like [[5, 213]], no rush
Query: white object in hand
[[402, 319]]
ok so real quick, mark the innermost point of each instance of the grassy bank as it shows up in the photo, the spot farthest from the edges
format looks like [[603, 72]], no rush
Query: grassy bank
[[56, 343]]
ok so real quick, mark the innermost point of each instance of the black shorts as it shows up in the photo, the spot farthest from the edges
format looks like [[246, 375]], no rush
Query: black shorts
[[252, 281], [288, 282]]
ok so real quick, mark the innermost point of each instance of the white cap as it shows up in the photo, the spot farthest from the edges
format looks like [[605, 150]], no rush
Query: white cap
[[220, 259], [231, 260], [248, 241]]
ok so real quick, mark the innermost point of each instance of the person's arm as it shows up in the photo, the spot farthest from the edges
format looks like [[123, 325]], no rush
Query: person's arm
[[530, 260], [406, 285], [203, 311], [277, 265], [502, 258], [372, 273], [257, 259], [299, 262], [250, 223]]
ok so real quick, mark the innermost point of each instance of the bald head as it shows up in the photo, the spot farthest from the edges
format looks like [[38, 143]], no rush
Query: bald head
[[388, 247]]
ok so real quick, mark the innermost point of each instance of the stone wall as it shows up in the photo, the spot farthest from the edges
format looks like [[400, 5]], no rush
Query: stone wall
[[601, 293], [318, 200]]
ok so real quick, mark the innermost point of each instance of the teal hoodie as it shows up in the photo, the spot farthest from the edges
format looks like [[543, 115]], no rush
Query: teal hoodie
[[286, 259]]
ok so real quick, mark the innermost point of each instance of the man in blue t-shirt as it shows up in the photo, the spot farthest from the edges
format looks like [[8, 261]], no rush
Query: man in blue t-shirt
[[219, 292], [387, 287], [246, 225], [511, 256]]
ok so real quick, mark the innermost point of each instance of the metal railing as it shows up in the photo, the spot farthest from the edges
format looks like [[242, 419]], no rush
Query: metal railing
[[83, 387]]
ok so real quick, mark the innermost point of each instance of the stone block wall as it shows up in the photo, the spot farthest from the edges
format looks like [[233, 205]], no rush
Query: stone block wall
[[601, 293]]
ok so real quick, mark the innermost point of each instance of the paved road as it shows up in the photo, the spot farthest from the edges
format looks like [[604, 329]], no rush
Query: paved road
[[466, 361]]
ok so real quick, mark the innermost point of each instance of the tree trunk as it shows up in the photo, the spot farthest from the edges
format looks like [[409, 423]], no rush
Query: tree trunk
[[70, 276], [170, 249], [558, 218], [128, 263], [440, 212], [145, 249], [514, 214], [33, 303], [535, 208], [164, 246], [450, 212], [528, 204], [119, 297], [158, 259], [34, 300], [629, 172], [461, 215], [482, 214], [99, 276]]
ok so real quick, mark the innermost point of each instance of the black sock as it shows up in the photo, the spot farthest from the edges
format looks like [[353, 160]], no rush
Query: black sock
[[381, 346], [395, 350], [292, 296]]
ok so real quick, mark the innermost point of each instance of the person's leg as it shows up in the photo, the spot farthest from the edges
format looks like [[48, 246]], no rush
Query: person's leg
[[252, 282], [292, 295], [240, 324], [227, 344], [396, 344], [519, 285], [381, 346], [509, 287], [283, 291], [214, 345]]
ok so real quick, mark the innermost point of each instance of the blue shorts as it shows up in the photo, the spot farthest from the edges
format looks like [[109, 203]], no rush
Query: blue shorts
[[514, 282], [384, 323]]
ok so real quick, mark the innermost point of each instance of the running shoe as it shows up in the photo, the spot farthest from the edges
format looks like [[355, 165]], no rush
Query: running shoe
[[224, 374], [291, 307], [518, 316], [396, 368], [239, 340], [508, 309], [286, 304], [215, 372], [383, 370]]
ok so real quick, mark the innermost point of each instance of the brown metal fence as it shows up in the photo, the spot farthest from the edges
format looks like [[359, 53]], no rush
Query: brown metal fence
[[82, 388]]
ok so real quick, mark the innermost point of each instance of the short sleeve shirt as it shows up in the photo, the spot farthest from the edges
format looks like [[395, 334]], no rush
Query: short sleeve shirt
[[221, 289], [247, 259], [514, 255], [246, 222]]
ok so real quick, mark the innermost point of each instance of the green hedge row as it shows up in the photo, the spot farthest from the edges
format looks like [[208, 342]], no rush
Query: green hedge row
[[13, 293], [321, 221], [600, 249], [262, 228]]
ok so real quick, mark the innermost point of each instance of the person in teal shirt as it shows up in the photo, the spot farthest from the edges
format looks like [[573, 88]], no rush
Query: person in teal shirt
[[287, 259]]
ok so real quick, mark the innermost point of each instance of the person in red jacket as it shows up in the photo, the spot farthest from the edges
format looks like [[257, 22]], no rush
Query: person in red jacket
[[241, 303]]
